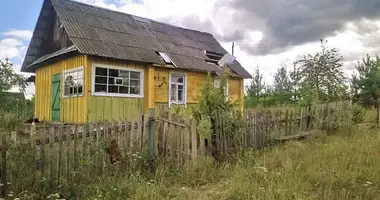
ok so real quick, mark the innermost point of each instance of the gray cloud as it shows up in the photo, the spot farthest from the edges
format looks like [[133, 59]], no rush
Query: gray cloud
[[295, 22]]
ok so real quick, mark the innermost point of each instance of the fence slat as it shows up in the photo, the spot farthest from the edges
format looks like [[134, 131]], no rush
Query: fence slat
[[60, 140], [4, 165]]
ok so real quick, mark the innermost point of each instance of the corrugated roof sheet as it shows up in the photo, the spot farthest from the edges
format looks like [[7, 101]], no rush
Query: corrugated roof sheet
[[107, 33]]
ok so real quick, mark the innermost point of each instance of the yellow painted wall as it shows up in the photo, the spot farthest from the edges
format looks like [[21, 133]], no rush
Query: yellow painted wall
[[115, 108], [97, 108], [195, 81], [72, 108], [235, 89]]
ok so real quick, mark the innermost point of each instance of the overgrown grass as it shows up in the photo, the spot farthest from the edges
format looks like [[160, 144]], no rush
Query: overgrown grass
[[340, 166]]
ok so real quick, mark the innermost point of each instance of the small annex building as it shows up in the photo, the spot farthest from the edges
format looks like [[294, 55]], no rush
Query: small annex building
[[94, 64]]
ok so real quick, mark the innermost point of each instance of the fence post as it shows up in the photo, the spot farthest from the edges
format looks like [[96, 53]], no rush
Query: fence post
[[151, 141], [4, 165]]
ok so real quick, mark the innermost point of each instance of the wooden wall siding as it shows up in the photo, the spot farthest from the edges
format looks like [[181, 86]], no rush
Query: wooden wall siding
[[195, 81], [72, 109], [114, 108], [161, 85], [235, 89]]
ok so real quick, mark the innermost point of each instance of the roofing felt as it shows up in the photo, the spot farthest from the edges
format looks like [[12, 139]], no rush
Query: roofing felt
[[106, 33]]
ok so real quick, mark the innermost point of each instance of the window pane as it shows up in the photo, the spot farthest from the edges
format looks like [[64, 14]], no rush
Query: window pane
[[123, 90], [135, 75], [101, 71], [111, 81], [126, 81], [114, 72], [124, 74], [101, 80], [80, 74], [75, 75], [180, 87], [100, 88], [176, 79], [113, 89], [119, 81], [180, 95], [135, 83], [75, 90], [67, 91], [69, 80], [80, 89], [173, 93], [71, 90], [135, 90]]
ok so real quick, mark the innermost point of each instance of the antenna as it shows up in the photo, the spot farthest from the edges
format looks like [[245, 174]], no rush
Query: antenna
[[233, 45]]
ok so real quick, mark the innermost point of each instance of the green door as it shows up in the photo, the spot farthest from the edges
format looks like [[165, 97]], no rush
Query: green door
[[56, 97]]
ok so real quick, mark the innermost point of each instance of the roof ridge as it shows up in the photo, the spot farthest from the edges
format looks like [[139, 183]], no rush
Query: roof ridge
[[124, 13]]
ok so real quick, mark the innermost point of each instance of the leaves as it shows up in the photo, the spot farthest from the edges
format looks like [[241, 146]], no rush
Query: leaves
[[365, 86]]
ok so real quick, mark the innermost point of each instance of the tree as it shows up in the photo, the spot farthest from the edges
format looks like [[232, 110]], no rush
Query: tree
[[257, 85], [258, 93], [321, 75], [365, 87], [282, 86], [9, 79]]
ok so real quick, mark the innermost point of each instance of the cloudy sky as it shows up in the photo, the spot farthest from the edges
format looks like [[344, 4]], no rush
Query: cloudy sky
[[267, 34]]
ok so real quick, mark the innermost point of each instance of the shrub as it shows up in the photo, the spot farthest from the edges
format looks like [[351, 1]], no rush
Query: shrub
[[358, 113]]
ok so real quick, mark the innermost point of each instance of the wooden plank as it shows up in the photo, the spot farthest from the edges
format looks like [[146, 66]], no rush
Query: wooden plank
[[165, 137], [99, 160], [217, 132], [68, 152], [178, 145], [172, 122], [60, 152], [142, 138], [194, 141], [75, 147], [186, 142], [52, 156], [127, 145], [84, 143], [4, 182], [171, 139]]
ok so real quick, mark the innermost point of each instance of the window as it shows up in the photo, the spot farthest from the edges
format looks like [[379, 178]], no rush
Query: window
[[73, 82], [165, 57], [217, 85], [112, 81], [177, 89]]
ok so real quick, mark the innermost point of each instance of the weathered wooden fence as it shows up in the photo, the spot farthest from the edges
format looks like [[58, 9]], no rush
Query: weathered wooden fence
[[58, 153]]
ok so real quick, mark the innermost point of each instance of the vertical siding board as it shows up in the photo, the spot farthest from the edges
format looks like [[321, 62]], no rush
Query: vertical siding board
[[43, 91]]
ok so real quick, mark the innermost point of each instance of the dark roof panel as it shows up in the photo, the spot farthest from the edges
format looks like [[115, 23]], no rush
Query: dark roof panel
[[102, 32]]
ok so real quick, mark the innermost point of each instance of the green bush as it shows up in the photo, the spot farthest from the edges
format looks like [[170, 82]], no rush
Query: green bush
[[358, 113]]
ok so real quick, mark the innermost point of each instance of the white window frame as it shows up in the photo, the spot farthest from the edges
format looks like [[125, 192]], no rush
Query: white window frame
[[141, 71], [184, 102], [63, 81], [218, 79]]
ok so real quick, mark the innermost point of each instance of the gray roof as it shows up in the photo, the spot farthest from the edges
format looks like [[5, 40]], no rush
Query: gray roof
[[106, 33]]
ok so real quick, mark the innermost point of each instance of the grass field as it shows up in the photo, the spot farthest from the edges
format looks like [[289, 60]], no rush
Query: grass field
[[345, 165]]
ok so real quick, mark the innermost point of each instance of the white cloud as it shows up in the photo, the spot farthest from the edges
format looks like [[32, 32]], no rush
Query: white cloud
[[11, 48], [25, 35]]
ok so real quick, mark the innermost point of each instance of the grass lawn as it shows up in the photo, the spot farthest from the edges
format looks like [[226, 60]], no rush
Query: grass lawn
[[345, 165]]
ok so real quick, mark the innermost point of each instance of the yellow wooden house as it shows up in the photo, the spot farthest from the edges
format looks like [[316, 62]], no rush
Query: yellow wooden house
[[95, 64]]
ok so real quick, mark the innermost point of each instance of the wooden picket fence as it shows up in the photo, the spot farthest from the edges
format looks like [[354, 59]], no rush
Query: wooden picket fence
[[57, 153]]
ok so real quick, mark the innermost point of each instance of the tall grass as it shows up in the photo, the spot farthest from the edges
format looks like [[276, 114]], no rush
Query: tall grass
[[340, 166]]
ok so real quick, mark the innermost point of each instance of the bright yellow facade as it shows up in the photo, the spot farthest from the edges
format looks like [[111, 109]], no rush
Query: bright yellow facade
[[90, 108]]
